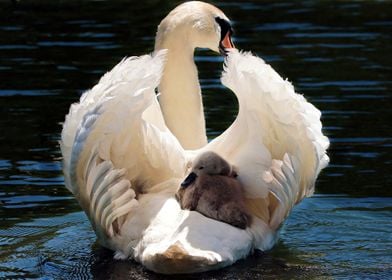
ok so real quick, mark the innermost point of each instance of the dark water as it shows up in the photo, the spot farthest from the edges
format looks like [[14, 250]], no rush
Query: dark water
[[337, 53]]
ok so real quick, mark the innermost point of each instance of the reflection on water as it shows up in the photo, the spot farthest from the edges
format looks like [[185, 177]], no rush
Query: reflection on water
[[325, 236], [337, 53]]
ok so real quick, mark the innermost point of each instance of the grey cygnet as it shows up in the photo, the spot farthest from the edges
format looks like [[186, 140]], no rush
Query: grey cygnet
[[212, 189]]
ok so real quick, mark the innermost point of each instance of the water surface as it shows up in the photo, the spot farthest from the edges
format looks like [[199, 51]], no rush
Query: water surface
[[337, 53]]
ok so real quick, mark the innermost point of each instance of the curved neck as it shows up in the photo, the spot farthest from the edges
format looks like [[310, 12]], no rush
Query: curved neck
[[180, 99]]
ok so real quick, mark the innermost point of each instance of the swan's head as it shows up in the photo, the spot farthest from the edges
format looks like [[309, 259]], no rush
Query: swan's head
[[196, 25], [209, 163]]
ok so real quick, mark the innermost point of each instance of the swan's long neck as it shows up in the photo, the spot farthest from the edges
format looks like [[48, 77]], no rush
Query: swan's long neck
[[180, 98]]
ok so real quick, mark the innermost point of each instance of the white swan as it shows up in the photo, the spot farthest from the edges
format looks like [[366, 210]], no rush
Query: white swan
[[123, 163]]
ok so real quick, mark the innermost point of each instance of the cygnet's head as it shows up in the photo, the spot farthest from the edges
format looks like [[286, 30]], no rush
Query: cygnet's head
[[211, 163], [195, 24], [208, 163]]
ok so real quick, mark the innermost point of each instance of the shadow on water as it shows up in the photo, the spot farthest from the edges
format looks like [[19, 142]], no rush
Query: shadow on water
[[337, 53]]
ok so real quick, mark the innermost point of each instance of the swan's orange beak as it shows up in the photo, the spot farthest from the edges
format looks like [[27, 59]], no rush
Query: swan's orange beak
[[225, 35], [226, 44]]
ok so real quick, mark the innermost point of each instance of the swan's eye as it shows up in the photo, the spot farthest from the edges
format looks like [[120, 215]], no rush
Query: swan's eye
[[225, 27], [201, 167]]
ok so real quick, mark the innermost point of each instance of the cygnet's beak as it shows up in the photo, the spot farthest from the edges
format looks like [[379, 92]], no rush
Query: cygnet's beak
[[189, 180]]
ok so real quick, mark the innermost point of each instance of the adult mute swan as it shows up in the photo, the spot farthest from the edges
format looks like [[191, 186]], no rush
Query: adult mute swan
[[125, 154]]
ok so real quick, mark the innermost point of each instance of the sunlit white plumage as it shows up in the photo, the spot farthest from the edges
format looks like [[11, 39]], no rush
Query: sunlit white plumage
[[124, 165]]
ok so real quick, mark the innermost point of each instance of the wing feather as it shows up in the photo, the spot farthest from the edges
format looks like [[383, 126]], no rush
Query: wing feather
[[276, 141], [115, 143]]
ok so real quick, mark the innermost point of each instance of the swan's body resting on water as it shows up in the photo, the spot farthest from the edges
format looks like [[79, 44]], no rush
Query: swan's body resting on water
[[125, 154]]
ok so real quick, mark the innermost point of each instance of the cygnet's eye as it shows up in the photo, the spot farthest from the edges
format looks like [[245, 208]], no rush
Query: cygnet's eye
[[201, 167]]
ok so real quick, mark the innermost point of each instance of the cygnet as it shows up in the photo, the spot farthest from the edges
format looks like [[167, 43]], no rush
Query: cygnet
[[211, 188]]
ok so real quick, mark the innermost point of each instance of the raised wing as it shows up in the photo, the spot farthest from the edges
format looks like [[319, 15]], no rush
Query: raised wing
[[276, 141], [115, 144]]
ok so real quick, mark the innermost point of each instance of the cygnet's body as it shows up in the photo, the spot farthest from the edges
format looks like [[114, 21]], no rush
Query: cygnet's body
[[212, 189]]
